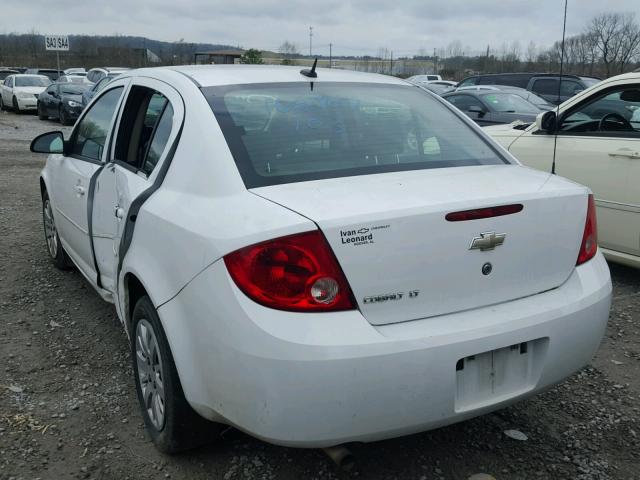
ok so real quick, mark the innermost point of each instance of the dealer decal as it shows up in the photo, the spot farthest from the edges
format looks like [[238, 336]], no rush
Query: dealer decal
[[359, 236]]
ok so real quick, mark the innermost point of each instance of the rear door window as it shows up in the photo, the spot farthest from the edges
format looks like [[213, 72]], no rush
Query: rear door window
[[144, 129], [288, 132]]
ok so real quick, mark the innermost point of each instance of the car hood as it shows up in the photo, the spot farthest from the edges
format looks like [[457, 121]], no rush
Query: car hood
[[507, 133], [505, 129]]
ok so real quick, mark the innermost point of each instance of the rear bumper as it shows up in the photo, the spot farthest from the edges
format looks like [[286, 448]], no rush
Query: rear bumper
[[315, 380]]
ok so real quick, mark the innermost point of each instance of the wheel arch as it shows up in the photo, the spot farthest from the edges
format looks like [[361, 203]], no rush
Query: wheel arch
[[134, 289], [43, 187]]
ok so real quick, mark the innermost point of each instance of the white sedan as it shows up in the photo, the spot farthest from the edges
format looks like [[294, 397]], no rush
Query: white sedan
[[20, 92], [319, 257], [598, 145]]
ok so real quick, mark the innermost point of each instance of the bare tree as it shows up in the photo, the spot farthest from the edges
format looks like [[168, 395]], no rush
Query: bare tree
[[531, 55], [630, 41], [289, 51], [606, 28]]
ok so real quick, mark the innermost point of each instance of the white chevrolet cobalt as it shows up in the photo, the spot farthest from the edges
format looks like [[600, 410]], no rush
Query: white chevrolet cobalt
[[319, 257]]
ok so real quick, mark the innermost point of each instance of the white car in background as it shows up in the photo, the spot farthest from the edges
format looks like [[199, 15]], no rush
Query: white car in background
[[98, 73], [425, 78], [319, 257], [598, 145], [20, 92]]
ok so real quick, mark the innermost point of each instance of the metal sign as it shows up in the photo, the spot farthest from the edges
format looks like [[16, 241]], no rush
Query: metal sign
[[59, 43]]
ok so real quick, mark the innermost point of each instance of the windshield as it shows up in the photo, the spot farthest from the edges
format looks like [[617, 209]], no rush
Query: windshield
[[508, 102], [32, 81], [287, 132], [72, 89], [536, 100], [589, 82]]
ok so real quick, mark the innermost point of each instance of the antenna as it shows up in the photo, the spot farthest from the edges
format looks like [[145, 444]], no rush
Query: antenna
[[310, 73], [555, 133]]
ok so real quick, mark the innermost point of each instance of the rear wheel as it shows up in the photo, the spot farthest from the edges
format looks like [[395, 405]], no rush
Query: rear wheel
[[2, 105], [171, 422], [56, 251], [41, 114], [16, 107]]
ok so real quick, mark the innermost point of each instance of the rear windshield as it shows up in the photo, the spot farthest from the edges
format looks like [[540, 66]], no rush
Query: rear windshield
[[288, 132], [32, 81]]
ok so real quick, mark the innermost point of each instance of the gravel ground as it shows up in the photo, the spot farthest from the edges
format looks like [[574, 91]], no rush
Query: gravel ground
[[68, 406]]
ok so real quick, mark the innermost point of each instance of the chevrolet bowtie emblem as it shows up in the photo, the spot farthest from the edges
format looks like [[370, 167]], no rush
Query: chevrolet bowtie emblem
[[487, 241]]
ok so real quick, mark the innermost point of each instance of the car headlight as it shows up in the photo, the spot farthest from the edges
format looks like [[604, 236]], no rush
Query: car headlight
[[71, 103]]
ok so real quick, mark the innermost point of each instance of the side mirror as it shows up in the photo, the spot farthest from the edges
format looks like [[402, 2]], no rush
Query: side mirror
[[546, 121], [51, 142], [477, 109]]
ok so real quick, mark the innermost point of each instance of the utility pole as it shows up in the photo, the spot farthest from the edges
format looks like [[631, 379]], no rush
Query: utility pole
[[435, 62], [310, 41], [330, 57], [391, 64]]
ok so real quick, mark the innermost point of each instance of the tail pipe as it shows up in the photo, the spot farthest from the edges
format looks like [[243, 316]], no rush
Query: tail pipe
[[341, 456]]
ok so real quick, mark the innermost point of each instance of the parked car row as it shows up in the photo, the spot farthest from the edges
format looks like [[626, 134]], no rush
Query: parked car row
[[491, 99], [52, 93]]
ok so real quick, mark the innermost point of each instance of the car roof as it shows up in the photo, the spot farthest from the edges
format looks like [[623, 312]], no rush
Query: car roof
[[30, 75], [472, 92], [215, 75]]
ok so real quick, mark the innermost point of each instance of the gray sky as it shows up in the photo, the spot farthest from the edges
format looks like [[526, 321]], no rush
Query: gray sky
[[355, 27]]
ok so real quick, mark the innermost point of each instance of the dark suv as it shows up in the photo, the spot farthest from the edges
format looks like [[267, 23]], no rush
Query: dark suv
[[544, 85], [52, 73]]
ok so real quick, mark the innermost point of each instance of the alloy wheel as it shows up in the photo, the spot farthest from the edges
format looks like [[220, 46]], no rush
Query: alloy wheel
[[150, 373], [50, 229]]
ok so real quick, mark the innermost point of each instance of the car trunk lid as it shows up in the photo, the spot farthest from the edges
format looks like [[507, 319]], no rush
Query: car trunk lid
[[405, 261]]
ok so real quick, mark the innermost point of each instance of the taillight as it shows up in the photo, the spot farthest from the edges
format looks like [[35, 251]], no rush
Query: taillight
[[297, 273], [480, 213], [589, 245]]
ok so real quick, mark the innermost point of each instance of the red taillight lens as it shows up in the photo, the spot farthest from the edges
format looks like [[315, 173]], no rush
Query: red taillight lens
[[297, 272], [589, 245], [487, 212]]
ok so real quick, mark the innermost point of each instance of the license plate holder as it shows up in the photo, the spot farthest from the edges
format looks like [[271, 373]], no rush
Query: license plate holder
[[497, 375]]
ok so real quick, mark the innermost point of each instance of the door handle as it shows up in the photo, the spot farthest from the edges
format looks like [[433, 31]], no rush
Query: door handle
[[119, 212], [625, 153], [79, 189]]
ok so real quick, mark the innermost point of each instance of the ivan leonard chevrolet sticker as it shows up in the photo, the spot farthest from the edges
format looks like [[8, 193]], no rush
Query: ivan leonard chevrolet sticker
[[360, 236]]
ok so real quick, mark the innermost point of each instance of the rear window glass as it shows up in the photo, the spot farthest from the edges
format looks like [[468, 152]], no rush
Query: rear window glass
[[32, 81], [287, 132], [509, 103]]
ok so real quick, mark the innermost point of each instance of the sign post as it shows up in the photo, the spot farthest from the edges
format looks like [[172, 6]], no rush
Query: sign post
[[57, 43]]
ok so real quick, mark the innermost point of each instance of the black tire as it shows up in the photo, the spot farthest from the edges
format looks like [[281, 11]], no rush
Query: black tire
[[58, 256], [62, 116], [41, 115], [2, 105], [16, 107], [182, 428]]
